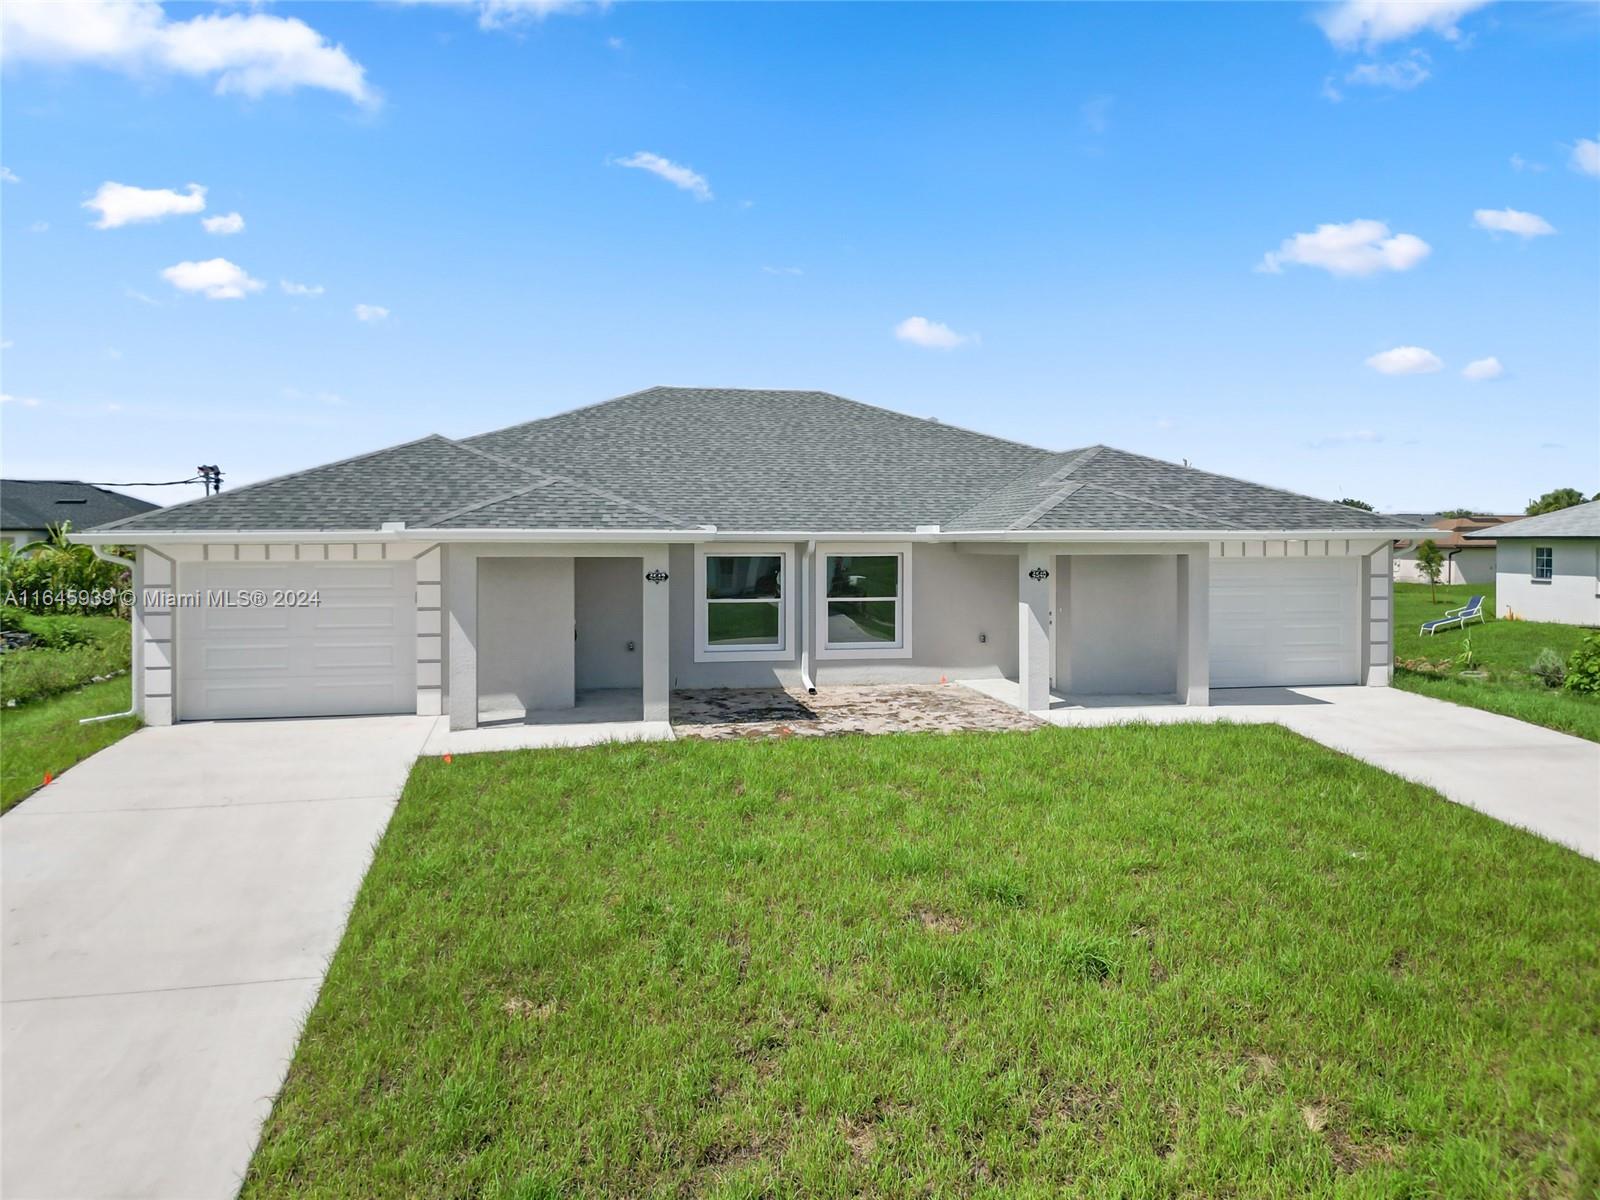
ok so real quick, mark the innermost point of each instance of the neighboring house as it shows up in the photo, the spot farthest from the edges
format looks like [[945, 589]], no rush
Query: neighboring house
[[1464, 561], [1547, 568], [685, 537], [31, 508]]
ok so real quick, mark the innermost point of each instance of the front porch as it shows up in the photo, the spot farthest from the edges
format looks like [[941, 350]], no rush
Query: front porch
[[535, 632]]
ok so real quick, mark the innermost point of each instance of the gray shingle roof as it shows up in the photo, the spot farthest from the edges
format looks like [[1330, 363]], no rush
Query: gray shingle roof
[[749, 461], [42, 503], [1578, 521]]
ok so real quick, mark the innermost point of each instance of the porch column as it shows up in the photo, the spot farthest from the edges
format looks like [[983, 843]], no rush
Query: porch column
[[1194, 626], [1033, 628], [461, 603], [655, 637]]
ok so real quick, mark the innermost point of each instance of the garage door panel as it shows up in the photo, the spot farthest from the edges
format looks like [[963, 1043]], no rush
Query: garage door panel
[[353, 652], [334, 656], [1285, 622], [365, 616], [229, 657]]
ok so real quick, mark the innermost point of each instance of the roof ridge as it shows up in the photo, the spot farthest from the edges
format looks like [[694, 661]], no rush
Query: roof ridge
[[1192, 512], [669, 387], [261, 483], [565, 412], [1045, 505], [1234, 479], [548, 477], [434, 518], [1075, 459]]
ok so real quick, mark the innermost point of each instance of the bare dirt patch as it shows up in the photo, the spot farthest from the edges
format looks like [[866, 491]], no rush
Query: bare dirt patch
[[937, 921]]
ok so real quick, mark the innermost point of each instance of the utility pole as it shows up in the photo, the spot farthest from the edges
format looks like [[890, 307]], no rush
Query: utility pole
[[211, 478]]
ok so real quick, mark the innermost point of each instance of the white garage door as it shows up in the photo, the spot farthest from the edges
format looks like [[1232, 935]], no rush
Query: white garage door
[[331, 639], [1285, 621]]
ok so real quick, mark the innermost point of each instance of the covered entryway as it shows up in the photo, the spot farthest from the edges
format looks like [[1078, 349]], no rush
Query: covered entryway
[[1285, 621], [296, 639]]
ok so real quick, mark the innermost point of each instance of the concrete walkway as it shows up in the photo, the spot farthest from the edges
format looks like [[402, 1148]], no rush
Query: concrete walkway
[[1522, 774], [170, 906]]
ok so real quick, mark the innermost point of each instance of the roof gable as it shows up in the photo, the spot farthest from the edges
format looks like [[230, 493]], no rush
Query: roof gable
[[1579, 520], [42, 503]]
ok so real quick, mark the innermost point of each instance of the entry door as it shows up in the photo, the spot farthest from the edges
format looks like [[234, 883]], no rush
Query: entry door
[[1284, 622], [352, 651]]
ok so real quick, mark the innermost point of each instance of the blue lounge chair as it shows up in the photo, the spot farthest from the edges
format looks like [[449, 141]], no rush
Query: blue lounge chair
[[1457, 617]]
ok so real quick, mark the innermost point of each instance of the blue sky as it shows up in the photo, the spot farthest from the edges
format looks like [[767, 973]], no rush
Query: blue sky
[[1095, 211]]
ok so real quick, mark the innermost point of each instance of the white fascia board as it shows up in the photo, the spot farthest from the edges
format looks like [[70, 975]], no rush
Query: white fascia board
[[710, 533], [140, 537]]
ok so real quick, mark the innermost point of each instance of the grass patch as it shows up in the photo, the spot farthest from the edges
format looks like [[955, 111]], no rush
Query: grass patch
[[68, 652], [45, 735], [1504, 650], [1142, 962]]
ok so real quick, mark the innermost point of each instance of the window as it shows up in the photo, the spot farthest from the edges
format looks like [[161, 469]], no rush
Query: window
[[742, 611], [863, 602], [1544, 563]]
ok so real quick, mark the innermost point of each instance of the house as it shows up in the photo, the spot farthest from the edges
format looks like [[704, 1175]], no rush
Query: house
[[31, 508], [1464, 561], [1547, 568], [689, 537]]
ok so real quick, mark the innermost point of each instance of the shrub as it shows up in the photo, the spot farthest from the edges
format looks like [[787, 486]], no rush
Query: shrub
[[1549, 667], [59, 569], [1583, 667]]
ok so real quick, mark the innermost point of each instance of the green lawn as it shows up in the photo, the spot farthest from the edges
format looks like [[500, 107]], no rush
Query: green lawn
[[1504, 649], [45, 735], [1144, 961]]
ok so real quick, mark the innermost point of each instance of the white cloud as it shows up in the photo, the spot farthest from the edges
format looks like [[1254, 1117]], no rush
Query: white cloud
[[1365, 437], [39, 227], [615, 43], [1353, 23], [134, 294], [250, 53], [123, 204], [7, 175], [1355, 248], [1586, 156], [782, 271], [1481, 370], [1096, 114], [1509, 220], [931, 335], [1406, 360], [215, 279], [1402, 74], [371, 312], [502, 14], [291, 288], [232, 223], [23, 401], [1518, 163], [674, 173]]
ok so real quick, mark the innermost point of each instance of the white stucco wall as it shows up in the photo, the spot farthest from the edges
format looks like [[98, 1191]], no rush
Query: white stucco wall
[[956, 598], [1571, 597], [1116, 624], [1474, 565], [610, 613], [526, 648]]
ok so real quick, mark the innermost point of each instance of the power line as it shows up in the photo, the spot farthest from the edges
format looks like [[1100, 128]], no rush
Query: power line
[[139, 483]]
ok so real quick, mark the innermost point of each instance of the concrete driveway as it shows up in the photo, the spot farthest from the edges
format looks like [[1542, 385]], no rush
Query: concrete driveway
[[1522, 774], [170, 906]]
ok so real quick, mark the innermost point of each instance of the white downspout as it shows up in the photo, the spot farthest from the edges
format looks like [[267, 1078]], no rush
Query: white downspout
[[133, 635], [807, 623]]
